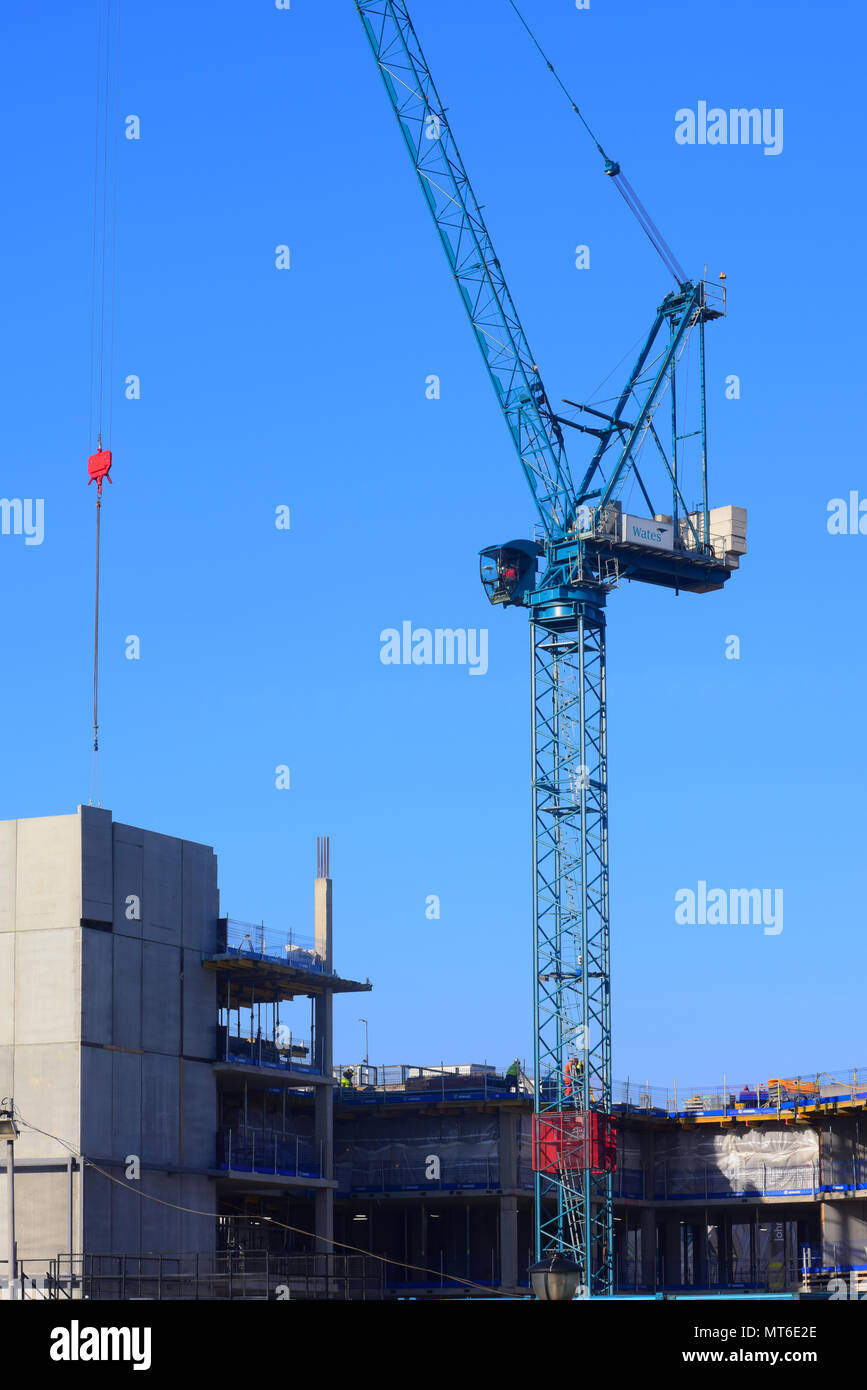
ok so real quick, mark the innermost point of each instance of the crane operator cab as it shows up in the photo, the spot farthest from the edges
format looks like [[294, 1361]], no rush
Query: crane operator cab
[[509, 571]]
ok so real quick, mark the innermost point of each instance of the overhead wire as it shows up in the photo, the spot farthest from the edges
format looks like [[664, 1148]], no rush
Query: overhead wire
[[116, 136], [272, 1221], [95, 224], [102, 300], [612, 168]]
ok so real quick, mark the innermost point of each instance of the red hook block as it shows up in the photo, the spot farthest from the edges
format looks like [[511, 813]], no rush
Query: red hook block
[[98, 466]]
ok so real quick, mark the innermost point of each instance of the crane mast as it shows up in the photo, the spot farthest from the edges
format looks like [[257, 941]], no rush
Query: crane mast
[[588, 545]]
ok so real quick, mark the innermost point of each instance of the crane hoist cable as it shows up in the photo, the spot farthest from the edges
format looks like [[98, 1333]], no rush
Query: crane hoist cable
[[612, 168], [102, 300]]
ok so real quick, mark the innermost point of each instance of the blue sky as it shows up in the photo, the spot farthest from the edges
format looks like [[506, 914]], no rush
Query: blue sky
[[306, 388]]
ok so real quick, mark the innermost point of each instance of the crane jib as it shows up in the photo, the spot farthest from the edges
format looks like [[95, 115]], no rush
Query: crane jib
[[470, 253]]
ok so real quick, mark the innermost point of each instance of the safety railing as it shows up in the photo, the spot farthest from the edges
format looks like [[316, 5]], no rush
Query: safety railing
[[284, 1051], [450, 1273], [246, 1150], [842, 1174], [714, 296], [401, 1176], [777, 1095], [782, 1096], [691, 537], [673, 1181], [255, 940], [629, 1182], [677, 1182], [833, 1258], [735, 1276], [359, 1080], [605, 524], [35, 1281]]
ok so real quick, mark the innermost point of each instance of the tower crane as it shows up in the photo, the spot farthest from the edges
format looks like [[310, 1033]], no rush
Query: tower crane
[[586, 543]]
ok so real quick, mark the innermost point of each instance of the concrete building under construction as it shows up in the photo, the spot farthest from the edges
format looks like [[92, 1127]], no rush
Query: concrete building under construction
[[147, 1041], [184, 1132]]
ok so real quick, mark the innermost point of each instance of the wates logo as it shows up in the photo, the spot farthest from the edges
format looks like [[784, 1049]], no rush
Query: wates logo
[[644, 533]]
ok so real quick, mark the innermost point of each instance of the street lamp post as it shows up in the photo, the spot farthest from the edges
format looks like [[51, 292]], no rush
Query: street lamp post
[[555, 1278], [366, 1048], [9, 1132]]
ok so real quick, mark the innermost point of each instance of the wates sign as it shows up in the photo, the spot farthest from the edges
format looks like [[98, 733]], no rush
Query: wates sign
[[638, 531]]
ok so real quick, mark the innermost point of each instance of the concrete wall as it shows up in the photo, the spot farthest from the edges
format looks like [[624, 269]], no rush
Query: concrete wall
[[149, 1037], [40, 1012], [108, 1029]]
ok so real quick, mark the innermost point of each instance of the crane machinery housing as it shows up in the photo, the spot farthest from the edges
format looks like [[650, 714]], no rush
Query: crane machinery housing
[[586, 543]]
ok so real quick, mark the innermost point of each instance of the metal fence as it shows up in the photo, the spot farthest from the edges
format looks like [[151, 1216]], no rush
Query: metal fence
[[34, 1283], [256, 1274]]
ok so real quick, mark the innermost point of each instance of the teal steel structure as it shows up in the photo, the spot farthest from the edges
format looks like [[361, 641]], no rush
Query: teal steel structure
[[580, 544]]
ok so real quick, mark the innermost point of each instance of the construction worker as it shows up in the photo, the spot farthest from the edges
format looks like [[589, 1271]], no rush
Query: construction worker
[[573, 1073], [513, 1075], [346, 1079]]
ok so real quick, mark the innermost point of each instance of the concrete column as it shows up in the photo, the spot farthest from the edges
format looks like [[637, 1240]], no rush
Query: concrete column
[[726, 1253], [699, 1253], [509, 1242], [414, 1238], [649, 1243], [844, 1232], [648, 1248], [324, 1136], [508, 1213], [323, 1115], [322, 919], [672, 1248]]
